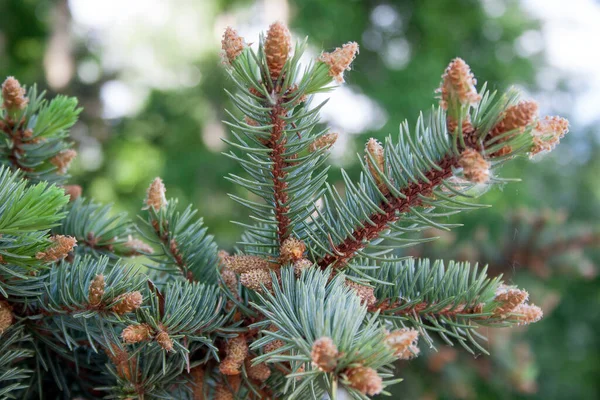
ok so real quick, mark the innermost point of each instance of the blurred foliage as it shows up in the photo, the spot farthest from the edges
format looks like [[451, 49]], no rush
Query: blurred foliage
[[405, 45]]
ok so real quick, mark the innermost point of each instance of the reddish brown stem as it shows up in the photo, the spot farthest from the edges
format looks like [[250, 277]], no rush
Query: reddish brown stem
[[395, 206], [277, 143], [173, 247]]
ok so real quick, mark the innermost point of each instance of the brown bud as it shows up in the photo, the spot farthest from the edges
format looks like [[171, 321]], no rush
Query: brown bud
[[323, 142], [137, 247], [164, 341], [127, 302], [291, 250], [527, 314], [516, 118], [60, 248], [376, 151], [232, 44], [255, 279], [6, 316], [366, 293], [278, 45], [475, 168], [136, 333], [96, 290], [547, 134], [301, 265], [155, 196], [13, 95], [458, 85], [508, 299], [404, 343], [324, 354], [244, 263], [339, 60], [237, 350], [63, 160], [365, 380], [261, 372]]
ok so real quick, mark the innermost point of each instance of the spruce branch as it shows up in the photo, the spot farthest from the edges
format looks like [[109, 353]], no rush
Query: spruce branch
[[34, 132], [452, 300], [450, 156], [186, 247]]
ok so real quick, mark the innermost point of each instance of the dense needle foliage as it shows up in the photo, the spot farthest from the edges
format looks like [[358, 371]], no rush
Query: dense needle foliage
[[316, 300]]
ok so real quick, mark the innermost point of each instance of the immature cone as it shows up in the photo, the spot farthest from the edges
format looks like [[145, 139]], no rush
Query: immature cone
[[301, 265], [278, 45], [13, 95], [232, 44], [164, 341], [96, 291], [323, 142], [60, 248], [237, 350], [365, 380], [516, 118], [404, 343], [136, 333], [245, 263], [528, 314], [376, 152], [547, 134], [509, 299], [6, 316], [291, 250], [458, 86], [137, 247], [197, 375], [261, 372], [73, 191], [127, 302], [324, 354], [339, 60], [63, 160], [475, 168], [255, 279], [366, 293], [155, 196]]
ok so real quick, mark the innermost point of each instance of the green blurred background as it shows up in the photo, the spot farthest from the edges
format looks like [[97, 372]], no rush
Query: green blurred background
[[148, 74]]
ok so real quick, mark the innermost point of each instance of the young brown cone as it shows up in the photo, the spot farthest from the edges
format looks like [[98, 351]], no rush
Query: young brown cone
[[96, 291], [232, 44], [404, 343], [475, 168], [155, 196], [324, 354], [366, 380], [63, 160], [13, 95], [136, 333], [339, 60], [60, 248], [278, 45], [128, 302]]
